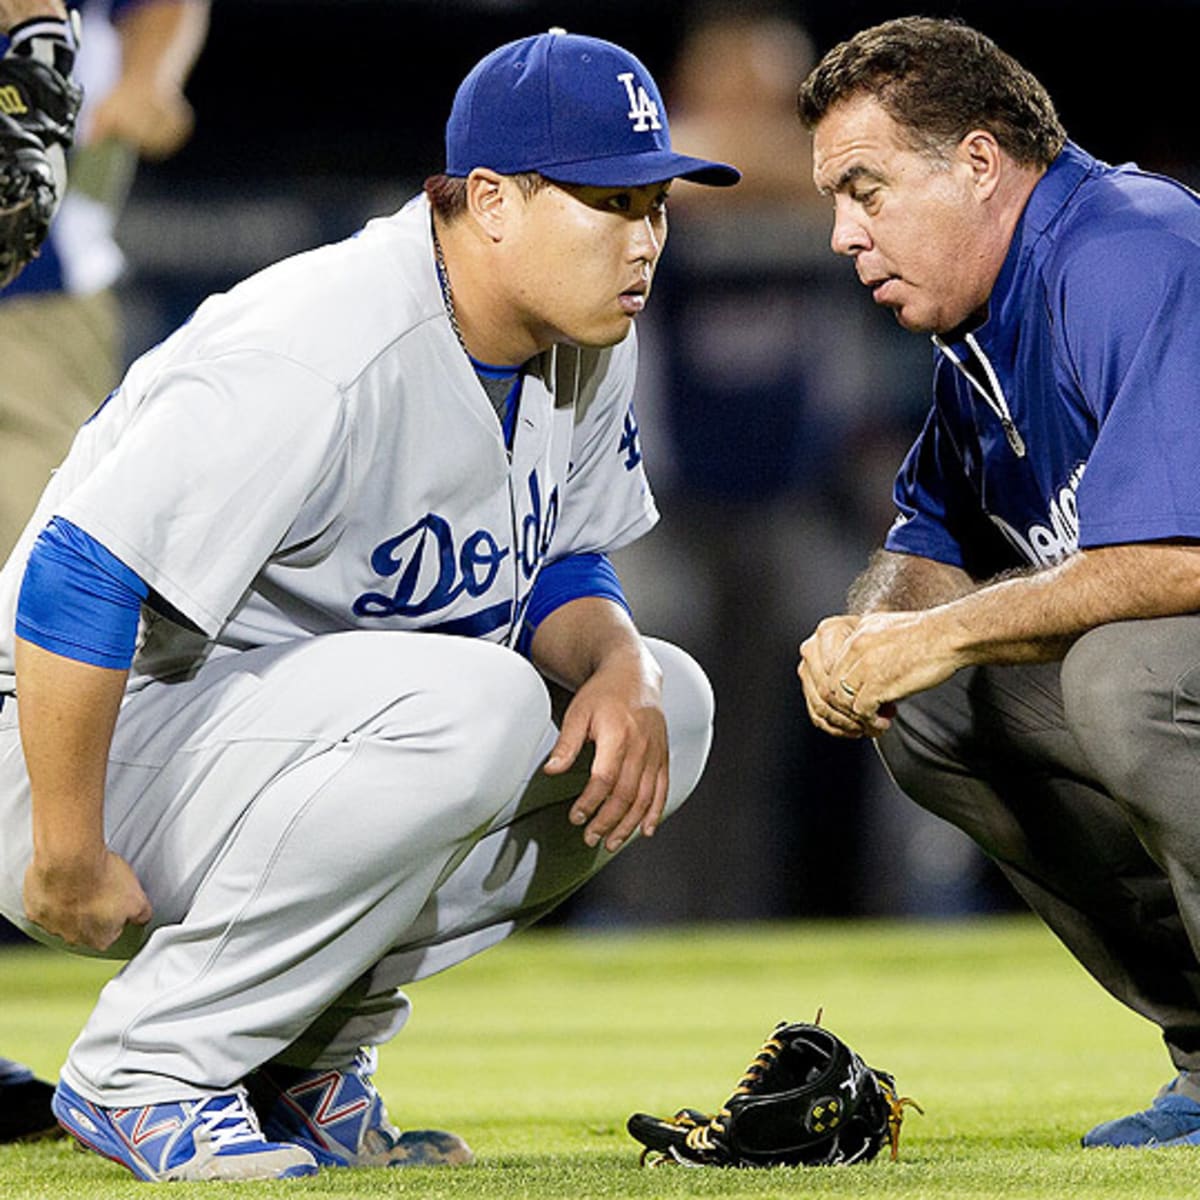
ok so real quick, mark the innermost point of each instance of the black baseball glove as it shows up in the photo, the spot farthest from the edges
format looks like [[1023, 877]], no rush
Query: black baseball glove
[[806, 1100], [38, 107]]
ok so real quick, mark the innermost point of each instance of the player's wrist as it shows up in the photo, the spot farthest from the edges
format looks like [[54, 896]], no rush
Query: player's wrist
[[67, 851], [954, 635]]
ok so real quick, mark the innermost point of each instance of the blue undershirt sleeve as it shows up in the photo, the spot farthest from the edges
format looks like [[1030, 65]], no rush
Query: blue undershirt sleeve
[[78, 600], [568, 579]]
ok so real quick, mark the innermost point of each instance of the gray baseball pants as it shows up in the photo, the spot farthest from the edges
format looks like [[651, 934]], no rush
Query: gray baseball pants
[[1081, 779], [315, 824]]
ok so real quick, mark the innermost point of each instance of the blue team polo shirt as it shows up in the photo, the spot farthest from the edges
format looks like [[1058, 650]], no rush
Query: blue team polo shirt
[[1093, 340]]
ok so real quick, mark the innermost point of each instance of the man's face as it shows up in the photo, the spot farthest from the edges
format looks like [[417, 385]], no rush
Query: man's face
[[581, 260], [914, 226]]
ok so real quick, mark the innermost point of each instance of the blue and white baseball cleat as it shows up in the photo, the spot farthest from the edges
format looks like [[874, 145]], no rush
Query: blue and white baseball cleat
[[1173, 1119], [214, 1138], [340, 1119]]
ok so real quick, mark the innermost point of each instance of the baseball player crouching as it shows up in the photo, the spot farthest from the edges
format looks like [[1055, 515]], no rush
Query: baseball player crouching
[[276, 724]]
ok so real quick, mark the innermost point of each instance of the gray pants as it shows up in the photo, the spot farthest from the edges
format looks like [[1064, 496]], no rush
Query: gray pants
[[1081, 779], [317, 823]]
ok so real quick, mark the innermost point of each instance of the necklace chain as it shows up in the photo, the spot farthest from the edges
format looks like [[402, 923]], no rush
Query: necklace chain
[[439, 259]]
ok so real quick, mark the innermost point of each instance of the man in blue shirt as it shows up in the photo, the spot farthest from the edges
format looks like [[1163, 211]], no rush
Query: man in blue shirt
[[1025, 646]]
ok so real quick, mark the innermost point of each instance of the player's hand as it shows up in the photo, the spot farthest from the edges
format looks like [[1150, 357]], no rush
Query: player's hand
[[888, 656], [87, 905], [619, 709], [155, 119], [824, 694]]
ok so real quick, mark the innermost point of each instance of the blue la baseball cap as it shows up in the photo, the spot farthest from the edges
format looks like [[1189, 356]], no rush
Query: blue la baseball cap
[[575, 109]]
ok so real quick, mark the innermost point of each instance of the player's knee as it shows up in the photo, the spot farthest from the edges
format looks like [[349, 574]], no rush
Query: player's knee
[[1100, 684], [488, 718], [689, 707], [905, 758], [503, 706], [1107, 697]]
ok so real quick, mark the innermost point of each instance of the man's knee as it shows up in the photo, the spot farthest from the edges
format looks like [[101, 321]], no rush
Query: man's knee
[[1123, 686], [488, 716], [1111, 689], [1099, 676], [459, 719], [923, 747], [936, 753]]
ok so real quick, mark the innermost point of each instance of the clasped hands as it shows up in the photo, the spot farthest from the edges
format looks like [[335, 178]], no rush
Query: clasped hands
[[855, 668]]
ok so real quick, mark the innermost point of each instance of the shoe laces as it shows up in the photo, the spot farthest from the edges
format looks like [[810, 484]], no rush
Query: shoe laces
[[700, 1136], [228, 1121]]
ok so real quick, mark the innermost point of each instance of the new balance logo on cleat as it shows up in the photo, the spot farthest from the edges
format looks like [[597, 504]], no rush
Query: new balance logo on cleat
[[340, 1118], [323, 1106], [217, 1137]]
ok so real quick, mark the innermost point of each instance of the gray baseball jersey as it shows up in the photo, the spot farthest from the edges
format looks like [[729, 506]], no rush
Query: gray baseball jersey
[[320, 800], [313, 452]]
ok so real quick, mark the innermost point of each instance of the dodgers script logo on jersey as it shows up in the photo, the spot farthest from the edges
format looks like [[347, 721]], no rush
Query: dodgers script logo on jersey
[[643, 112], [434, 569], [1045, 544]]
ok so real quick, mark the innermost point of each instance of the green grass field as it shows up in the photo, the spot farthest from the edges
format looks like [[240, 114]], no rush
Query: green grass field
[[537, 1051]]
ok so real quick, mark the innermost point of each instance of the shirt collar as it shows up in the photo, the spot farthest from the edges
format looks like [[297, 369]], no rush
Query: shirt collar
[[1050, 196]]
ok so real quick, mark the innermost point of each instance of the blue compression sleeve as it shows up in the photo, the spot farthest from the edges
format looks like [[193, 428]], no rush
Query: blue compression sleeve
[[565, 580], [78, 600]]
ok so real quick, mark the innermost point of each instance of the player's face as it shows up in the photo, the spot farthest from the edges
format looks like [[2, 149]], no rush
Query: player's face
[[912, 224], [584, 260]]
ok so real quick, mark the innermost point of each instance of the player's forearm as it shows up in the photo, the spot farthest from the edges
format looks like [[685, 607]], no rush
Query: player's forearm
[[161, 40], [1035, 617], [13, 12], [905, 583], [587, 635], [67, 712]]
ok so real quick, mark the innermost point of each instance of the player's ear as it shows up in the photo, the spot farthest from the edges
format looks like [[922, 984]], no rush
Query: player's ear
[[486, 201], [982, 155]]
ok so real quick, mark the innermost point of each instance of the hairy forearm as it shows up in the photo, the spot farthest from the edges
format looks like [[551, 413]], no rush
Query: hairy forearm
[[905, 583], [854, 667], [1036, 616]]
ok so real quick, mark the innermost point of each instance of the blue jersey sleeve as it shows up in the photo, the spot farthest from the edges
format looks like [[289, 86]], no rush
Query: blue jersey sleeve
[[79, 601], [568, 579], [1128, 304]]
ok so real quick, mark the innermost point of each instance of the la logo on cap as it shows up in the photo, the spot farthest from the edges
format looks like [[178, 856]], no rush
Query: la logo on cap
[[643, 112]]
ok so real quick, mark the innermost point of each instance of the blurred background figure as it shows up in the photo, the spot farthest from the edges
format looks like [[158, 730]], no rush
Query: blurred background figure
[[60, 331], [768, 409]]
